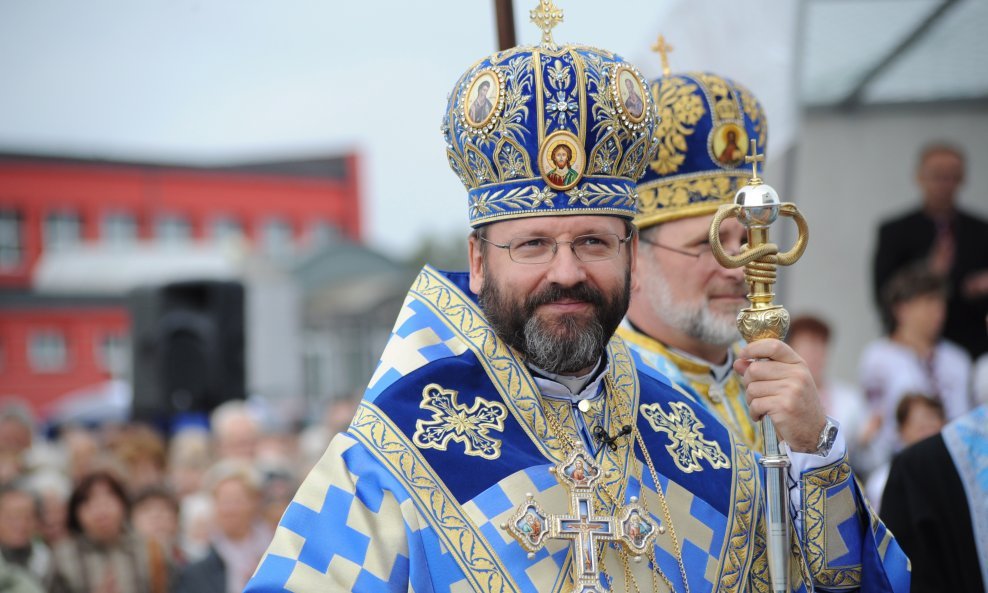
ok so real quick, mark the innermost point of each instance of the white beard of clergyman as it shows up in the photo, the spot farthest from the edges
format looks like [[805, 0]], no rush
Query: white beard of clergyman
[[693, 319]]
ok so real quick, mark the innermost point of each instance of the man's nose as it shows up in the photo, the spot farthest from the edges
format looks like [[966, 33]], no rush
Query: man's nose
[[733, 247], [734, 274], [566, 269]]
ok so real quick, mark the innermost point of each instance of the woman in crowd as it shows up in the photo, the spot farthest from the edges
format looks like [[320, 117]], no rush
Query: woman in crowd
[[103, 555]]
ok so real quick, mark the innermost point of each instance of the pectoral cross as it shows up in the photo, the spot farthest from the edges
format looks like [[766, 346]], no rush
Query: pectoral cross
[[545, 17], [663, 49], [754, 158], [531, 526]]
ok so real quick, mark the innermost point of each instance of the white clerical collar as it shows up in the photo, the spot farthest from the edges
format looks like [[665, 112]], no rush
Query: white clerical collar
[[570, 387], [720, 372]]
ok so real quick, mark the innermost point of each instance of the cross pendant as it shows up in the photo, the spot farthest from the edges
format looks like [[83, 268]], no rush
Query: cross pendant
[[531, 526]]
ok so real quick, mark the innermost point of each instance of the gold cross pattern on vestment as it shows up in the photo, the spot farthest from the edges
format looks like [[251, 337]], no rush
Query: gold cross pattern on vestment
[[546, 17], [531, 526], [663, 49], [452, 421], [687, 445]]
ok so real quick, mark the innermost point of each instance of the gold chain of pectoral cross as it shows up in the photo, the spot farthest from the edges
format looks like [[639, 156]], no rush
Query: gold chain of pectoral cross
[[665, 510], [570, 444]]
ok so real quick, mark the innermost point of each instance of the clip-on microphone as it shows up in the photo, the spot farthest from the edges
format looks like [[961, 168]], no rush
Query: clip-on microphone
[[601, 435]]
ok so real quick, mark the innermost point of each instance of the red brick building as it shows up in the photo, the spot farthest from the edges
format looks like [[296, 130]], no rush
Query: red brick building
[[52, 344]]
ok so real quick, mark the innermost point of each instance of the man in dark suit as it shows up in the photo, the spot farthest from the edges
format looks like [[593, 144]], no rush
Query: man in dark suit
[[953, 242], [205, 575]]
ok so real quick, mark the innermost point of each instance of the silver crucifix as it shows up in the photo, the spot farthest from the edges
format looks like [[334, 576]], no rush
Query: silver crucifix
[[531, 526]]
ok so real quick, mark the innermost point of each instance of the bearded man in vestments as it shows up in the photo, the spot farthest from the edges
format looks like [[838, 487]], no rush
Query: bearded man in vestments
[[496, 376]]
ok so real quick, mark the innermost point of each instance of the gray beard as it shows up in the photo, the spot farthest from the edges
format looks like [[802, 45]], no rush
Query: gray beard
[[567, 345], [693, 319], [569, 351]]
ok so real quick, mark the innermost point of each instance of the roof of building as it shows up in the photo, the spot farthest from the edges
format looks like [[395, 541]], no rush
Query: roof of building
[[347, 278], [321, 167], [23, 299], [886, 52], [103, 270]]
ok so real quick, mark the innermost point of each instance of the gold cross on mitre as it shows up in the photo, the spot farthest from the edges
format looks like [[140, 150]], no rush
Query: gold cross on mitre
[[531, 526], [545, 17], [663, 49], [754, 158]]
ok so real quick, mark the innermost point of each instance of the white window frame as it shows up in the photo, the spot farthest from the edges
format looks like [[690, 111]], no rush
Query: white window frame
[[48, 351], [11, 238], [168, 222], [112, 352], [110, 225], [56, 229]]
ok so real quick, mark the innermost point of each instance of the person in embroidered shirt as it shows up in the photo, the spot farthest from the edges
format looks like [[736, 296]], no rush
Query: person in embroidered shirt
[[913, 357], [495, 377]]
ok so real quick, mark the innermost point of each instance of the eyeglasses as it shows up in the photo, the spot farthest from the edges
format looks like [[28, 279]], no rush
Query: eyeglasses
[[697, 255], [541, 250]]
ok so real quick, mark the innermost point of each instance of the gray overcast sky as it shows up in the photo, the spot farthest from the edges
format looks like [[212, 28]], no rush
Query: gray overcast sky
[[221, 81]]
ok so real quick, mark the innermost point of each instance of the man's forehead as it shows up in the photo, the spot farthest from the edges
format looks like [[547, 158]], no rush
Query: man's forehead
[[551, 226], [943, 161]]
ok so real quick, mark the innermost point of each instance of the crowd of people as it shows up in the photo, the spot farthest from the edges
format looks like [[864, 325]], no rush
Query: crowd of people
[[931, 364], [121, 508]]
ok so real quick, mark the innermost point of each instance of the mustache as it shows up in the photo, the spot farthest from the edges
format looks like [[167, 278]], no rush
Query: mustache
[[554, 292], [735, 289]]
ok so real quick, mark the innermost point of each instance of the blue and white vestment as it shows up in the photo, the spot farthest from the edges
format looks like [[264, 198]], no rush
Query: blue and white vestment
[[453, 432]]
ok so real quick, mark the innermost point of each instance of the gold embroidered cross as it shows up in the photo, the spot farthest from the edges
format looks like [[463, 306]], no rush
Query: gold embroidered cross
[[754, 158], [531, 526], [453, 421], [663, 49], [545, 17], [687, 445]]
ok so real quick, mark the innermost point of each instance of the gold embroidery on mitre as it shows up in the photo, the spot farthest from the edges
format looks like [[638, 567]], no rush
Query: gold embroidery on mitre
[[755, 113], [687, 445], [679, 109], [453, 421], [686, 196]]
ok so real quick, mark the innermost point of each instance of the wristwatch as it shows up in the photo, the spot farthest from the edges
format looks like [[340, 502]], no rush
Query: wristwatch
[[827, 437]]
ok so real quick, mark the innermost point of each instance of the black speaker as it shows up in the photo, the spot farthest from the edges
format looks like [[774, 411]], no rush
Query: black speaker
[[188, 348]]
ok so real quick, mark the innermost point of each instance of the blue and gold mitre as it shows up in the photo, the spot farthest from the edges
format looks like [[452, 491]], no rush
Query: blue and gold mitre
[[705, 126], [550, 130]]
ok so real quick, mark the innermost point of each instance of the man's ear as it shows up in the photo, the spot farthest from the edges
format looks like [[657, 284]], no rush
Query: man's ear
[[476, 264]]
